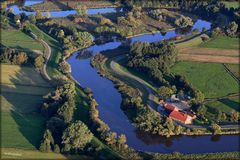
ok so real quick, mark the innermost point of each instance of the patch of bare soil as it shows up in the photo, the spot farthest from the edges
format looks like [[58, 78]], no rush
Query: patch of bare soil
[[209, 58], [210, 51]]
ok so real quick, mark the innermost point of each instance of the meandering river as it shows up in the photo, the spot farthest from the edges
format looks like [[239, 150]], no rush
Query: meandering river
[[109, 99]]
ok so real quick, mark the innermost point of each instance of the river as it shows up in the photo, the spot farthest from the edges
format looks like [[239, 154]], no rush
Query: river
[[109, 99]]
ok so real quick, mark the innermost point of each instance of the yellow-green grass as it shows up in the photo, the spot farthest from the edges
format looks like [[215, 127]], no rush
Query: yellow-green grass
[[12, 153], [210, 78], [21, 96], [17, 39], [233, 4], [190, 43], [222, 42], [234, 68], [15, 74]]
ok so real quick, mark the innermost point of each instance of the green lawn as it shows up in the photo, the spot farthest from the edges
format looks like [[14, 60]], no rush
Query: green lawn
[[222, 42], [19, 40], [211, 78]]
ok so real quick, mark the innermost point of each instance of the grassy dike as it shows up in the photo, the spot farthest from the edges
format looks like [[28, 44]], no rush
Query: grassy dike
[[82, 104]]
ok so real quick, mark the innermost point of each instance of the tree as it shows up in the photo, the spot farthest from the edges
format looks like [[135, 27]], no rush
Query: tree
[[216, 128], [48, 15], [81, 10], [32, 18], [111, 138], [56, 149], [232, 29], [61, 34], [4, 22], [169, 124], [204, 29], [201, 111], [38, 15], [183, 22], [66, 111], [234, 116], [21, 58], [17, 18], [165, 92], [76, 136], [38, 62], [47, 142], [122, 139], [65, 67]]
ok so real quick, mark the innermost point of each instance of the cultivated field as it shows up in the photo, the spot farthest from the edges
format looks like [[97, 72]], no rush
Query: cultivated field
[[217, 50], [211, 78], [22, 91], [19, 40]]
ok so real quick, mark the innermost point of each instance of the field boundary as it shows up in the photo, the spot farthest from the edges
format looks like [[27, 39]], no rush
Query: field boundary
[[230, 72]]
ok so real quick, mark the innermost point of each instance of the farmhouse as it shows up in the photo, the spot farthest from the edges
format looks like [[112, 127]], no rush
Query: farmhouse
[[179, 115]]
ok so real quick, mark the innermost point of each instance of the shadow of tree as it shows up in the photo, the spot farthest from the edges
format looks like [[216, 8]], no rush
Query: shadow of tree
[[24, 105], [233, 104]]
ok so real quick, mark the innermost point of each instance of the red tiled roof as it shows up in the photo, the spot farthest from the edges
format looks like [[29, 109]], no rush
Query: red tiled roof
[[178, 116], [169, 106]]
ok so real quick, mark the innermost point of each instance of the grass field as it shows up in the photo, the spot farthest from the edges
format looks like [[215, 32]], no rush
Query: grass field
[[223, 42], [19, 40], [234, 4], [22, 91], [234, 68], [11, 153], [211, 78], [226, 105]]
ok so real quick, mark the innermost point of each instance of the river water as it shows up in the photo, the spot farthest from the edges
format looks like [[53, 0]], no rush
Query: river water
[[109, 99]]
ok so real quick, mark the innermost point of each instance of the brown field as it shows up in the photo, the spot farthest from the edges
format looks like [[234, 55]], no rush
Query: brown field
[[209, 55], [210, 51]]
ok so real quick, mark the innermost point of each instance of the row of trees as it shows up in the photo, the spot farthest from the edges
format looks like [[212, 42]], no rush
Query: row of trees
[[62, 132], [18, 57], [102, 130]]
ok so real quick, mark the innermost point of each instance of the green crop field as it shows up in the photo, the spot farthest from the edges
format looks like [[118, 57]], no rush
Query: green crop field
[[211, 78], [223, 42], [19, 40], [21, 96]]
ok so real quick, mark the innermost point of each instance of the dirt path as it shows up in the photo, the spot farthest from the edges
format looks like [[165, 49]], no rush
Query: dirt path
[[114, 67], [47, 55]]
